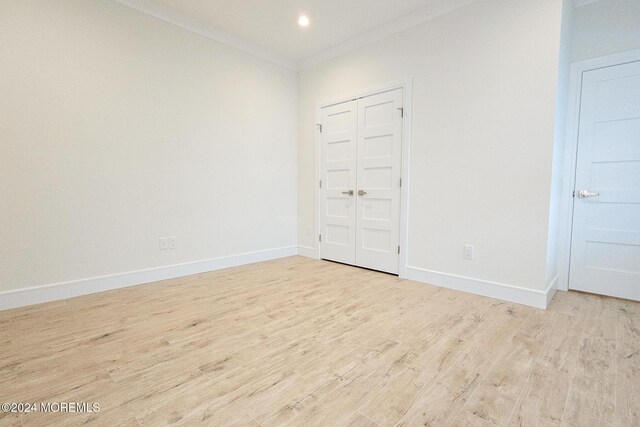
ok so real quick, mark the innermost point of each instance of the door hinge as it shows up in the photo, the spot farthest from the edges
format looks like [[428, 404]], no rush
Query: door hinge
[[401, 111], [574, 194], [319, 126], [320, 183], [400, 182], [398, 249], [319, 237]]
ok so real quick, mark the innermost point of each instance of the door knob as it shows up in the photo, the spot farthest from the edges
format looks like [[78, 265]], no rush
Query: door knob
[[349, 193], [361, 192], [585, 194]]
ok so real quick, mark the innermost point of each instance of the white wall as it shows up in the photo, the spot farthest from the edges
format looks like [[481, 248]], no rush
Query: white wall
[[117, 128], [556, 199], [605, 27], [484, 96]]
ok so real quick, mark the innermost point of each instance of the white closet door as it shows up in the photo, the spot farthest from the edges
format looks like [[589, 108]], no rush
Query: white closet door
[[338, 175], [605, 250], [379, 173]]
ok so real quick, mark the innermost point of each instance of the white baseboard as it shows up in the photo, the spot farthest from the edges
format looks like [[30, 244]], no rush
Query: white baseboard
[[308, 252], [63, 290], [551, 289], [530, 297]]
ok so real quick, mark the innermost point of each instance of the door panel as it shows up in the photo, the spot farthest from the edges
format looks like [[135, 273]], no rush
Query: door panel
[[338, 175], [605, 249], [379, 171]]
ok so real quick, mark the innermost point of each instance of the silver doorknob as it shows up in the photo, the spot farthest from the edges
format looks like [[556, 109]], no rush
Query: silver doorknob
[[349, 193], [361, 192], [585, 194]]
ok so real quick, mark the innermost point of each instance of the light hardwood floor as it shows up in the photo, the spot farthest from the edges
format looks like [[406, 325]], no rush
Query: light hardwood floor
[[310, 343]]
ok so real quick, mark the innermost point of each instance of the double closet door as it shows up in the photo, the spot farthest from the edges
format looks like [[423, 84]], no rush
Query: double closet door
[[361, 170]]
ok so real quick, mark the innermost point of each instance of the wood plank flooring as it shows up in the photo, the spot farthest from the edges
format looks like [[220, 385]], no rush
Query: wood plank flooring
[[310, 343]]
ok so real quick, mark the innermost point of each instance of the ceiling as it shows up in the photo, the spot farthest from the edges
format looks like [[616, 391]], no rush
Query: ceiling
[[272, 24], [269, 28]]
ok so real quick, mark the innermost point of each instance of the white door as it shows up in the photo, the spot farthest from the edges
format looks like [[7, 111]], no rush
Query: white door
[[338, 182], [605, 249], [379, 175], [361, 160]]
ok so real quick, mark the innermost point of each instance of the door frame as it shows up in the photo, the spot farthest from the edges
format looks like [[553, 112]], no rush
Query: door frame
[[406, 85], [571, 153]]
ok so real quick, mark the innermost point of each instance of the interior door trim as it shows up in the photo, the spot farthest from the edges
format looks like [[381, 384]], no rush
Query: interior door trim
[[406, 85], [570, 153]]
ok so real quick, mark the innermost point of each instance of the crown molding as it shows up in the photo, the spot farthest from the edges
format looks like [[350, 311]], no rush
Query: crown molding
[[423, 15], [169, 15]]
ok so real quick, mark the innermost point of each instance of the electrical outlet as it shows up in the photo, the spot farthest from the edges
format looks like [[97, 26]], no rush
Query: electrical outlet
[[173, 242], [164, 243], [468, 252]]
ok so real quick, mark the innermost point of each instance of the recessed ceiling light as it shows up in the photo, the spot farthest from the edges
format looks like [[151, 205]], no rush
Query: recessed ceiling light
[[303, 21]]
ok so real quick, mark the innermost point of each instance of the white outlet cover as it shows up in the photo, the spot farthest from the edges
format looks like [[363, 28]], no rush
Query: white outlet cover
[[164, 243], [468, 251], [173, 242]]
